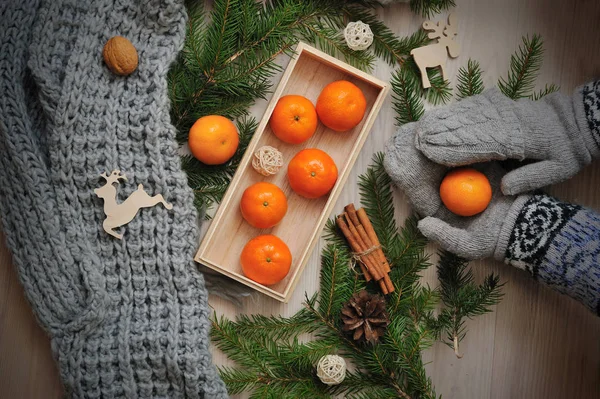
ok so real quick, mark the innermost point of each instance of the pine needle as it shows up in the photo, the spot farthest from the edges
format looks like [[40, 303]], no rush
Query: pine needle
[[406, 98], [469, 79], [463, 298], [386, 44], [548, 89], [428, 8], [525, 66]]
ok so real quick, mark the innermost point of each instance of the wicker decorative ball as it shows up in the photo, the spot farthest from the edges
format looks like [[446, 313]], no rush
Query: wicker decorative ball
[[358, 35], [267, 160], [331, 369]]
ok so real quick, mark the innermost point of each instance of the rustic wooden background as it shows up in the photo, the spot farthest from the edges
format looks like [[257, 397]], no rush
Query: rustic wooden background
[[536, 344]]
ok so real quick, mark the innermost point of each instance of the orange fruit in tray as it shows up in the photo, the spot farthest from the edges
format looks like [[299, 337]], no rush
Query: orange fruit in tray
[[263, 205], [294, 119], [312, 173], [213, 139], [466, 191], [341, 105], [266, 259]]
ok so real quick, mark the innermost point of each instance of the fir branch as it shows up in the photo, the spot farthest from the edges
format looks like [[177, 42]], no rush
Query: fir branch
[[360, 384], [525, 65], [275, 327], [333, 235], [243, 351], [375, 191], [427, 8], [406, 98], [386, 44], [329, 39], [440, 91], [548, 89], [469, 79], [462, 297], [336, 285], [238, 380], [283, 366]]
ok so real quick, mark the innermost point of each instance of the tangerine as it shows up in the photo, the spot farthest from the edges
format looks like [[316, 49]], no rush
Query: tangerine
[[294, 119], [341, 105], [266, 259], [213, 139], [466, 191], [263, 205], [312, 173]]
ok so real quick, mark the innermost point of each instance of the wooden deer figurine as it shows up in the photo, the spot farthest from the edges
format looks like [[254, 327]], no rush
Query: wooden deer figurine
[[123, 213], [435, 55]]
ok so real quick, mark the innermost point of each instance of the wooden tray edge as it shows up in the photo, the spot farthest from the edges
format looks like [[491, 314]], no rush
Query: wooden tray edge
[[242, 279], [246, 159]]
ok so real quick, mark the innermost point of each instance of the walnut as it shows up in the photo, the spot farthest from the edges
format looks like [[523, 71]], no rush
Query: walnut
[[120, 56]]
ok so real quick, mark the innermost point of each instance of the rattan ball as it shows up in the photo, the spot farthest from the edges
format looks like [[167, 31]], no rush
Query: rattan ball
[[358, 35], [331, 369], [267, 160]]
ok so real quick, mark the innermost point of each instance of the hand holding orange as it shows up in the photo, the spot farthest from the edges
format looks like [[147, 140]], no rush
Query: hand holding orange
[[312, 173], [294, 119], [466, 191], [266, 259], [213, 139], [341, 105], [263, 205]]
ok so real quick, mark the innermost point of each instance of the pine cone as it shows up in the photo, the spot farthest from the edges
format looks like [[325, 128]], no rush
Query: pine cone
[[365, 315]]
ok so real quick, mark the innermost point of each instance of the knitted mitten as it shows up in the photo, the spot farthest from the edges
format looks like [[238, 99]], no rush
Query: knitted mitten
[[126, 318], [556, 132], [420, 178], [557, 243]]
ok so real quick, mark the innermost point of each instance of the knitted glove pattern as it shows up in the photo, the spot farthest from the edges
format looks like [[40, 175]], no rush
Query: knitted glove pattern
[[126, 318]]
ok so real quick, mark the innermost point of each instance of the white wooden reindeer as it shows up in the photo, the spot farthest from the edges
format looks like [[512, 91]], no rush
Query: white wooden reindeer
[[123, 213], [434, 55]]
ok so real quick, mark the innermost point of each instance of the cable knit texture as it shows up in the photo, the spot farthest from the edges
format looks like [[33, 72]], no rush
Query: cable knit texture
[[491, 126], [126, 318]]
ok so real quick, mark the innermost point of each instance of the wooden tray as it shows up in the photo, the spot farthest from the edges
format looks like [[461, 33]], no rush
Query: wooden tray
[[309, 71]]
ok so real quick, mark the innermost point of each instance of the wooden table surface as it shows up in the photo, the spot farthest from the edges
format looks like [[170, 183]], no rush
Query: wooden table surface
[[536, 344]]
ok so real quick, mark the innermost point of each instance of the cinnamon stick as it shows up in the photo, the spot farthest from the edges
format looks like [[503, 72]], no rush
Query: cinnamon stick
[[362, 263], [351, 211], [356, 247], [378, 255], [362, 246], [371, 258], [353, 243], [368, 226]]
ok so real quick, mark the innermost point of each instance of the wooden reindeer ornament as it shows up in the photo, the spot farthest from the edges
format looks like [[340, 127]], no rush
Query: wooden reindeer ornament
[[434, 55], [123, 213]]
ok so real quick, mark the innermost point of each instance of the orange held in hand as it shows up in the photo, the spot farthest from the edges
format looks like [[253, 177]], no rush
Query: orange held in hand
[[263, 205], [466, 191], [213, 139], [266, 259], [341, 105], [294, 119], [312, 173]]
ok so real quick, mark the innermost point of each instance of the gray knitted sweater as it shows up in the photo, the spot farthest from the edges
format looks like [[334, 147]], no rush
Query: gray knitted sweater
[[126, 318]]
